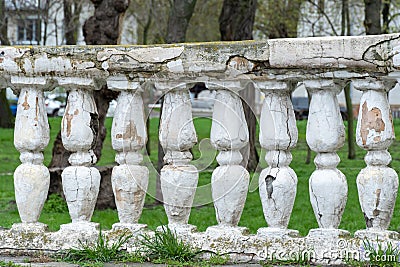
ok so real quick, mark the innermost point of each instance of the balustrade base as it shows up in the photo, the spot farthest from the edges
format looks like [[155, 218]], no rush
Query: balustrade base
[[225, 230], [374, 234], [321, 246], [82, 226], [29, 227], [179, 229], [134, 228], [271, 232]]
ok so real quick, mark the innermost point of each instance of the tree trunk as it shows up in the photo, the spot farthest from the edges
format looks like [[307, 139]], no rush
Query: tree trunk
[[237, 19], [372, 20], [6, 118], [347, 90], [178, 21], [385, 16], [236, 23], [350, 124], [71, 20], [3, 24]]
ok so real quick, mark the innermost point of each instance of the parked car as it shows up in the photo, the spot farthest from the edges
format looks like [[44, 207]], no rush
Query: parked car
[[55, 103], [13, 105], [301, 108]]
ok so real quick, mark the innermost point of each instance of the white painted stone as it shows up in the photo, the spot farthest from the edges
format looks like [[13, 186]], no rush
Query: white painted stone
[[129, 184], [325, 135], [31, 136], [377, 184], [31, 126], [78, 124], [374, 128], [229, 186], [122, 83], [178, 184], [332, 52], [230, 181], [81, 187], [78, 132], [8, 57], [229, 130], [128, 137], [31, 183], [278, 134], [59, 64], [80, 83], [177, 135], [154, 54]]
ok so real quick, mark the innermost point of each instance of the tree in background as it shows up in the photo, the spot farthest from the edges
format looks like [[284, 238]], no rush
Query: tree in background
[[372, 21], [72, 9], [6, 118], [278, 19], [236, 23], [102, 28]]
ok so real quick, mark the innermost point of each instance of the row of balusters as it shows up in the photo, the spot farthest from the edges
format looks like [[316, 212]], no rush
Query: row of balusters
[[377, 183]]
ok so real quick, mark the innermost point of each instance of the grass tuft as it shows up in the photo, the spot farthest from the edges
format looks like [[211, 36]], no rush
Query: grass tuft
[[165, 246], [380, 254], [102, 251]]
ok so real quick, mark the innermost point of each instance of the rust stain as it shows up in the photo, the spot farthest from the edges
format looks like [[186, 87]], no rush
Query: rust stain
[[239, 63], [375, 212], [138, 195], [130, 133], [69, 118], [118, 195], [25, 104], [37, 109], [371, 120], [1, 59], [391, 120]]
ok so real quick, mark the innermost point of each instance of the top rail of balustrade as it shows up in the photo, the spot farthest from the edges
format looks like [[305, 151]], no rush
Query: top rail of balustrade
[[329, 57]]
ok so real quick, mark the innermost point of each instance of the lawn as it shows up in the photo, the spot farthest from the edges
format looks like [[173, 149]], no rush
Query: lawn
[[203, 215]]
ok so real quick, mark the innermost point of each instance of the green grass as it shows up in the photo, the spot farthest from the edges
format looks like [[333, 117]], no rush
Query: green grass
[[203, 214]]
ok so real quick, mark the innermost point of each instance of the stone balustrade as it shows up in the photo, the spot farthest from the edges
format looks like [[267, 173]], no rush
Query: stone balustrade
[[322, 65]]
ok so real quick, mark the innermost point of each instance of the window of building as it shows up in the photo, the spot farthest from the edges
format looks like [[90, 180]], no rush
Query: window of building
[[28, 31]]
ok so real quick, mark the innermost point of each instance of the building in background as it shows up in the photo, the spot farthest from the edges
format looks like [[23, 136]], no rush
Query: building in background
[[41, 22]]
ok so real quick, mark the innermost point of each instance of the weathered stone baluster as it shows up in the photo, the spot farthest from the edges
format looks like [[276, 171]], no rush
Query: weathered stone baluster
[[377, 183], [229, 133], [278, 134], [325, 135], [80, 181], [128, 135], [31, 136], [177, 136]]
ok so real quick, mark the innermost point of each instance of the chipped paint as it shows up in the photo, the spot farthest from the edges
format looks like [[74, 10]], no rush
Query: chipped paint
[[371, 120]]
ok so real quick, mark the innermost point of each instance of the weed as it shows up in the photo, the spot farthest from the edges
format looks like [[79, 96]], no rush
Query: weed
[[102, 251], [166, 246], [55, 203], [8, 264], [381, 255], [218, 259]]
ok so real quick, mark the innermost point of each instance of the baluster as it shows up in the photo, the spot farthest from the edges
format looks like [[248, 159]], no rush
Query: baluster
[[128, 135], [278, 134], [177, 136], [80, 181], [230, 181], [31, 136], [325, 135], [377, 184]]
